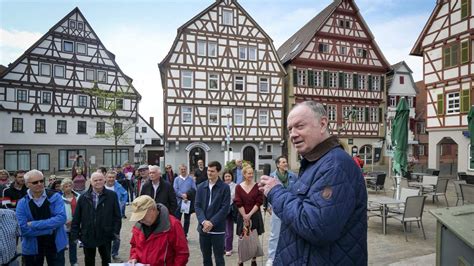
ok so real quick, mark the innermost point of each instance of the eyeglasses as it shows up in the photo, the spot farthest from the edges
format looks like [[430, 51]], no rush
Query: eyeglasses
[[37, 182]]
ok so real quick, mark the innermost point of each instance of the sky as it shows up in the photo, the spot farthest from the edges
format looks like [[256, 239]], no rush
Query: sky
[[140, 33]]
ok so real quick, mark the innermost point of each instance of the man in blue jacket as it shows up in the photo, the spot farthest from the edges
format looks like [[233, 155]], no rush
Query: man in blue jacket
[[41, 216], [212, 206], [324, 214]]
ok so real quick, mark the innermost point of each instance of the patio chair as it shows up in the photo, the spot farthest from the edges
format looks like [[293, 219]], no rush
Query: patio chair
[[435, 172], [413, 212], [404, 194], [377, 184], [439, 190], [457, 188], [467, 191], [460, 174]]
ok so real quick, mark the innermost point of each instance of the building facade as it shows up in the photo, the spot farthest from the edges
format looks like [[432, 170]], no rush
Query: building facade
[[223, 90], [66, 96], [335, 60], [421, 135], [149, 147], [446, 47]]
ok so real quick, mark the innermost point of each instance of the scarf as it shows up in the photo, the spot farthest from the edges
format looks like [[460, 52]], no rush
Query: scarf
[[283, 178]]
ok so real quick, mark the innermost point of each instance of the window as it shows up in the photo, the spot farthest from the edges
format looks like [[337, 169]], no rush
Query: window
[[228, 17], [420, 128], [43, 161], [81, 48], [360, 114], [46, 97], [212, 49], [90, 75], [68, 46], [346, 111], [100, 128], [342, 23], [465, 52], [115, 157], [348, 24], [137, 130], [144, 129], [421, 150], [186, 115], [347, 81], [100, 103], [45, 69], [263, 117], [187, 79], [239, 83], [21, 95], [453, 103], [252, 53], [373, 114], [243, 52], [119, 104], [301, 77], [81, 127], [465, 8], [201, 48], [82, 101], [213, 116], [139, 141], [80, 25], [361, 52], [118, 128], [323, 48], [410, 102], [269, 148], [40, 126], [362, 82], [61, 127], [66, 158], [213, 81], [263, 85], [451, 55], [239, 117], [16, 160], [376, 83], [402, 80], [102, 76], [318, 78], [332, 79], [72, 24], [332, 109], [393, 101], [59, 71], [17, 124], [343, 50]]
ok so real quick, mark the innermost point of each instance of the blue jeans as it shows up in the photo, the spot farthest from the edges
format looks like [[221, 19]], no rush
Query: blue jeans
[[115, 247], [274, 236], [212, 243], [72, 250]]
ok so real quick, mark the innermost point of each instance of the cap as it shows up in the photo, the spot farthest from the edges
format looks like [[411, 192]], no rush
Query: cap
[[143, 166], [140, 206]]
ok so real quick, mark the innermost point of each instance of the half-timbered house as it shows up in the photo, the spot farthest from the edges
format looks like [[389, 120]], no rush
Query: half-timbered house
[[62, 97], [149, 147], [335, 60], [446, 47], [222, 82]]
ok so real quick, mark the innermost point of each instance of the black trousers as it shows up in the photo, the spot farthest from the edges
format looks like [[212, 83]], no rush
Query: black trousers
[[212, 243], [53, 259], [104, 251]]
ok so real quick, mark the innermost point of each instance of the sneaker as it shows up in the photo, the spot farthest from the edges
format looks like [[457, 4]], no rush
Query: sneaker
[[116, 259], [228, 253]]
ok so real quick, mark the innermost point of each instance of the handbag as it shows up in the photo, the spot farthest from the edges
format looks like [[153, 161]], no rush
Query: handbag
[[248, 245]]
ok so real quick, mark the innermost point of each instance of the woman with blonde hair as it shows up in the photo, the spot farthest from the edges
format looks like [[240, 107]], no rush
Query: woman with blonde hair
[[70, 199]]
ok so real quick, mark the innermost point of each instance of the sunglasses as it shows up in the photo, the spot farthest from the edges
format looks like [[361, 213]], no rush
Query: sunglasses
[[37, 182]]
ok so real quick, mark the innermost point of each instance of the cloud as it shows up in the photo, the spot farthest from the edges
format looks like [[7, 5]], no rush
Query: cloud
[[13, 43]]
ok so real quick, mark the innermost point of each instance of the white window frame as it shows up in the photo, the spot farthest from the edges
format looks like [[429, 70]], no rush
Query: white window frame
[[64, 46], [301, 77], [325, 47], [213, 114], [238, 82], [346, 109], [360, 117], [333, 79], [186, 115], [43, 97], [392, 101], [264, 85], [347, 80], [80, 25], [20, 91], [72, 24], [332, 112], [212, 49], [318, 78], [87, 78], [59, 71], [343, 50], [239, 116], [263, 116], [362, 82], [227, 17], [360, 52], [201, 48], [187, 75], [252, 53], [243, 52], [375, 83], [211, 79], [17, 159], [373, 114], [410, 101], [421, 151], [78, 51], [82, 101], [453, 103], [43, 159], [99, 73], [45, 70]]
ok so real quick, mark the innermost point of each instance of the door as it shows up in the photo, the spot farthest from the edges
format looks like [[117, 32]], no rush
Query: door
[[249, 155], [196, 154], [366, 154]]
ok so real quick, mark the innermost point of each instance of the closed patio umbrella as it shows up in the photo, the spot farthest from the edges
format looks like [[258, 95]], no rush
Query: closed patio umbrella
[[400, 140]]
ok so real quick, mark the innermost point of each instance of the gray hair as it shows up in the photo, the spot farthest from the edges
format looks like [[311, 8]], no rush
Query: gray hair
[[66, 181], [5, 172], [183, 165], [318, 109], [97, 174], [31, 174], [156, 167]]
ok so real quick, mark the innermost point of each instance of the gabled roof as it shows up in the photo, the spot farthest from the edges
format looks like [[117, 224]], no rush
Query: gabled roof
[[394, 69], [300, 40], [416, 50], [51, 31], [148, 124], [202, 13]]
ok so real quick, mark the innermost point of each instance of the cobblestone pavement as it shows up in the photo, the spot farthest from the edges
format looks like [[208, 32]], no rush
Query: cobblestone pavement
[[382, 249]]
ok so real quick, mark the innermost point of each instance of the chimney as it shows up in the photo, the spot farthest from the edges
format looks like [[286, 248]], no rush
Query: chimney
[[152, 122]]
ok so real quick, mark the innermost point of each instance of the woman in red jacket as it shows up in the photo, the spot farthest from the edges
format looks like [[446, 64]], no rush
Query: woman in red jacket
[[157, 237]]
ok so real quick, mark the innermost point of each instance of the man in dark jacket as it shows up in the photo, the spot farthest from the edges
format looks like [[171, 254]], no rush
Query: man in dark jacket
[[16, 190], [97, 220], [324, 213], [160, 190], [212, 206], [200, 174]]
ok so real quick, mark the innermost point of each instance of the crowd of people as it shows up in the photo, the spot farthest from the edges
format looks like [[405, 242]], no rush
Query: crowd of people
[[318, 216]]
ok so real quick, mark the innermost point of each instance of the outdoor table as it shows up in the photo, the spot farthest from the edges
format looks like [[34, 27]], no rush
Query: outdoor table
[[422, 185], [419, 176], [368, 177], [384, 202]]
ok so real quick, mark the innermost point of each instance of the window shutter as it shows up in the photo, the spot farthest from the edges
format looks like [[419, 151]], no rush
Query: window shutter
[[370, 83], [447, 56], [440, 104], [366, 115], [465, 52], [295, 77], [465, 101], [382, 83], [326, 79], [341, 79], [355, 81], [380, 114], [414, 102], [311, 78]]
